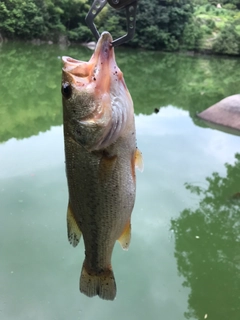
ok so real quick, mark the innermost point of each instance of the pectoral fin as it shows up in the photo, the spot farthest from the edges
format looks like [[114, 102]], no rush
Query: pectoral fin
[[125, 237], [139, 160], [107, 166], [74, 233]]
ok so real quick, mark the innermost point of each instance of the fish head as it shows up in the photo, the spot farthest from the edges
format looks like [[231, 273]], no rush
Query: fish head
[[97, 105]]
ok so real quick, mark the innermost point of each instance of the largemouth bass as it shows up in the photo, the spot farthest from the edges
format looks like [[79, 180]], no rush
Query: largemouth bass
[[101, 155]]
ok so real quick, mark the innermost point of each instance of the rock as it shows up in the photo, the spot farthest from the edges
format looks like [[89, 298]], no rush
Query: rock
[[90, 45], [224, 113], [63, 40], [36, 42]]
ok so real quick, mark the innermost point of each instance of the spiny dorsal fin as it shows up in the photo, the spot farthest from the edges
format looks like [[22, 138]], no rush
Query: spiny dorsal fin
[[125, 237], [74, 233], [139, 160]]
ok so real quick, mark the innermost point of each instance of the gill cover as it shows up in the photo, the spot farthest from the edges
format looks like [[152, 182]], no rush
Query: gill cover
[[100, 83]]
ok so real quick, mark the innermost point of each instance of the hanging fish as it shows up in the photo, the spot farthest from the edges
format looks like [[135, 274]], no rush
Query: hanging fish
[[101, 156]]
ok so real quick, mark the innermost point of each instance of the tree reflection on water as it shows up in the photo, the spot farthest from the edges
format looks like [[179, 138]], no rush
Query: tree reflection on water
[[30, 98], [207, 243]]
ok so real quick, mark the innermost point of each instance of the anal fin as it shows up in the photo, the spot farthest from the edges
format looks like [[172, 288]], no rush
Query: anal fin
[[125, 237], [74, 233]]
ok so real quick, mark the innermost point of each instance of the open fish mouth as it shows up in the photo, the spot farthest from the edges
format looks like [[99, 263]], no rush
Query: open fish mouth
[[101, 81], [99, 72]]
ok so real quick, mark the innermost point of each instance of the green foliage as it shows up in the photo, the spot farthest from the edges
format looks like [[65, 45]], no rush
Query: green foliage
[[211, 24], [161, 26], [215, 26], [205, 29], [21, 19], [232, 2], [230, 6], [209, 7], [79, 34], [44, 19], [167, 25], [214, 3], [228, 41], [192, 36], [113, 21], [199, 2]]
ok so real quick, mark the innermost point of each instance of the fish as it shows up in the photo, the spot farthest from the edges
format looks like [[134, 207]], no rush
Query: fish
[[100, 156]]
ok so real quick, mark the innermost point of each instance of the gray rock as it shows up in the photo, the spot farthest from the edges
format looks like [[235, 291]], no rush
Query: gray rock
[[224, 113], [90, 45]]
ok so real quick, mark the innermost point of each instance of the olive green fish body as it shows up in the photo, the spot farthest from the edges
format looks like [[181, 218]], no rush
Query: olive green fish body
[[101, 155], [101, 194]]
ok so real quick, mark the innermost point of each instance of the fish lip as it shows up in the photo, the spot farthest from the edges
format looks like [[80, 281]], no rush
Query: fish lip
[[96, 74], [106, 36], [73, 66], [105, 39], [104, 49], [103, 53], [70, 63]]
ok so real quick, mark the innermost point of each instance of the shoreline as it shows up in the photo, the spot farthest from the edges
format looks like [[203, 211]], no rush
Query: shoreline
[[63, 41]]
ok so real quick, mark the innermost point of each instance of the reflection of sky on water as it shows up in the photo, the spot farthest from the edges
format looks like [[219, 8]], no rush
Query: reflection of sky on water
[[172, 121], [40, 272], [46, 149], [20, 157]]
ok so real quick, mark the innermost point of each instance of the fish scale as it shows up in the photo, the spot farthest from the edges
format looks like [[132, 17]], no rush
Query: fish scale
[[101, 153]]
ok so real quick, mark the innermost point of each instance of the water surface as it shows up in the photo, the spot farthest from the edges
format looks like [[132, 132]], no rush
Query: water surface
[[183, 261]]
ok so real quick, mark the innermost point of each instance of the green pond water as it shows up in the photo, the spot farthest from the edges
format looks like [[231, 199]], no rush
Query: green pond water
[[184, 257]]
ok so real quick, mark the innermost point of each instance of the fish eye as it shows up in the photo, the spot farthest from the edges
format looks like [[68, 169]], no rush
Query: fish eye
[[66, 90]]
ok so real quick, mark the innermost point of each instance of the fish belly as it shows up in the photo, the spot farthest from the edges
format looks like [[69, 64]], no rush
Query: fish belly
[[101, 195]]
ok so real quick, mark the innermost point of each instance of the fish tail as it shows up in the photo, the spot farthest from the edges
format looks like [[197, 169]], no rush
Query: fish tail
[[98, 283]]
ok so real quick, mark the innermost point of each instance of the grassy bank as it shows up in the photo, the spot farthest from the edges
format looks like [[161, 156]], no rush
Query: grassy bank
[[220, 29]]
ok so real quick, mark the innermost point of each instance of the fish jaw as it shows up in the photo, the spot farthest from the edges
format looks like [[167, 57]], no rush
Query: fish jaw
[[100, 83], [106, 72]]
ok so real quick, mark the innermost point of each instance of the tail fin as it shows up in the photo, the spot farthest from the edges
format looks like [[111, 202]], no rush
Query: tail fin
[[102, 284]]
